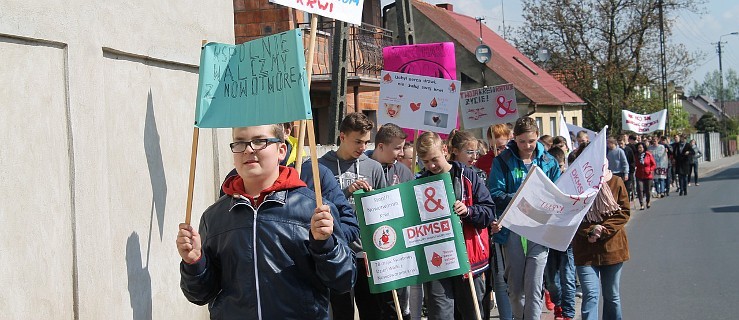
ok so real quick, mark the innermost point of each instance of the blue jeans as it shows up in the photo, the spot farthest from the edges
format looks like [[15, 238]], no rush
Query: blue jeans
[[560, 273], [592, 279], [659, 185], [525, 276], [499, 284]]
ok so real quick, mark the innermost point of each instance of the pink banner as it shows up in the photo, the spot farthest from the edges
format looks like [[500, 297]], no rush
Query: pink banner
[[428, 59]]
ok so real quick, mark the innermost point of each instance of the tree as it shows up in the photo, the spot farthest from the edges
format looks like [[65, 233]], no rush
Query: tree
[[607, 51], [710, 85], [707, 123]]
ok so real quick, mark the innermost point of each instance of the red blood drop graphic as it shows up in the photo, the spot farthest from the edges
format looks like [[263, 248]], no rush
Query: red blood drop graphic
[[434, 103], [385, 238], [436, 259]]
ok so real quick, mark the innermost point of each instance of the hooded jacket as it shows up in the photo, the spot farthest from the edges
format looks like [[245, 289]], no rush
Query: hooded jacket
[[480, 213], [507, 174], [330, 191], [259, 259]]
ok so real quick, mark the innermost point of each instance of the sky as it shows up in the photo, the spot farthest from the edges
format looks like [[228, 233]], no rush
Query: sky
[[699, 33]]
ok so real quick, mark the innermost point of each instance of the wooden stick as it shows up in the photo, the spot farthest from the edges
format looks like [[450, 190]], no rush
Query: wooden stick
[[193, 161], [309, 123], [413, 154], [301, 145], [397, 305], [309, 76], [474, 295], [314, 162], [191, 183], [533, 166]]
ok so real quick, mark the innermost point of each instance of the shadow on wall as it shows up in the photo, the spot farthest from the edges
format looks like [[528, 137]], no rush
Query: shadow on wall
[[153, 150], [139, 280]]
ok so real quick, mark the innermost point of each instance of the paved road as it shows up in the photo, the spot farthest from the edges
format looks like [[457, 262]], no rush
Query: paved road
[[685, 254]]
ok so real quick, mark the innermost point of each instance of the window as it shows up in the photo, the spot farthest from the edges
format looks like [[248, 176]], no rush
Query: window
[[539, 123], [553, 126], [574, 121]]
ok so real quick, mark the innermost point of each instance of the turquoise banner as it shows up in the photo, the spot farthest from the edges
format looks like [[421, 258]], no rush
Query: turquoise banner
[[411, 234], [262, 81]]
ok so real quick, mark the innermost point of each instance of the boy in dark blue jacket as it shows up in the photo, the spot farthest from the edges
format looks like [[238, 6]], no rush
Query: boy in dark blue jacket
[[266, 251]]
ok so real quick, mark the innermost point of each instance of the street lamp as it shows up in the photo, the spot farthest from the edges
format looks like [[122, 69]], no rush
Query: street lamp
[[721, 76]]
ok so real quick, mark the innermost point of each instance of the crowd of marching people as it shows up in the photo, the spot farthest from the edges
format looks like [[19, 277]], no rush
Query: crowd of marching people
[[315, 263]]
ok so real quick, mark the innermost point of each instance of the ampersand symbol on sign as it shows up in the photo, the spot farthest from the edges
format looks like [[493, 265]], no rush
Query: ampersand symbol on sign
[[430, 193], [502, 109]]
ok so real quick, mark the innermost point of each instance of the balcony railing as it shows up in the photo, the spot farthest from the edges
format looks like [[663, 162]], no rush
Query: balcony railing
[[364, 49]]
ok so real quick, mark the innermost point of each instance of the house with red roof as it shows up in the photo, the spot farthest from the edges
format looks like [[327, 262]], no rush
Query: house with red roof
[[538, 93]]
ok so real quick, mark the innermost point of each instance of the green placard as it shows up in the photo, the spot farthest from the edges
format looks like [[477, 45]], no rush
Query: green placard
[[411, 234], [262, 81]]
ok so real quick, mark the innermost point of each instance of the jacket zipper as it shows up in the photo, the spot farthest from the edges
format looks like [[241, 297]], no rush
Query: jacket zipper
[[254, 251]]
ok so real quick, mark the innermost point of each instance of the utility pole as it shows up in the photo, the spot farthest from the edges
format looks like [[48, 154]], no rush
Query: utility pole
[[721, 79], [663, 67], [482, 65]]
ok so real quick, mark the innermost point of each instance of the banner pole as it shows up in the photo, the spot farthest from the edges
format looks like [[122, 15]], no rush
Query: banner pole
[[398, 312], [309, 122], [309, 76], [300, 146], [193, 160], [533, 166], [474, 295], [191, 180], [413, 154]]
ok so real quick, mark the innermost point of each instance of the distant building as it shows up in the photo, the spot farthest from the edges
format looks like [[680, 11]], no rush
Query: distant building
[[697, 106]]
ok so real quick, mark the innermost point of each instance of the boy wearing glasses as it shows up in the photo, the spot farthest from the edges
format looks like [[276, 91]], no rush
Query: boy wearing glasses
[[265, 251]]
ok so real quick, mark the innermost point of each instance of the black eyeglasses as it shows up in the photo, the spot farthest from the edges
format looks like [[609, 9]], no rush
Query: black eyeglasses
[[256, 144]]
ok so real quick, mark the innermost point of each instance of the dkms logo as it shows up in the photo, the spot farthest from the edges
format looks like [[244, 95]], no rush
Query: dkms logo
[[384, 238]]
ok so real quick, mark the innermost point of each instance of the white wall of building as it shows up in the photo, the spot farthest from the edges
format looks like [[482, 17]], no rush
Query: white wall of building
[[96, 125]]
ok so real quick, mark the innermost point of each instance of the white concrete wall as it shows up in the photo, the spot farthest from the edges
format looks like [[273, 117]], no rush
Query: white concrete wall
[[96, 126]]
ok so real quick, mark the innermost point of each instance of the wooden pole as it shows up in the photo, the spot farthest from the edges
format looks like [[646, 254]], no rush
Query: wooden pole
[[533, 166], [474, 295], [191, 181], [413, 154], [309, 123], [300, 146], [398, 312], [309, 76], [193, 162]]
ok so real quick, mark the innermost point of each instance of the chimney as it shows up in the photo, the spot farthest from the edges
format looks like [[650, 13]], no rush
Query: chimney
[[446, 6]]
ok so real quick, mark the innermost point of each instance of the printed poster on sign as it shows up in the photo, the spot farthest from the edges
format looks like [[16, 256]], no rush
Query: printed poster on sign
[[418, 102], [643, 123], [258, 82], [344, 10], [415, 237], [486, 106], [435, 60]]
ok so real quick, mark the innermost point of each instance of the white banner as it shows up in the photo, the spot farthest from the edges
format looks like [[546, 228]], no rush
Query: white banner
[[565, 132], [344, 10], [418, 102], [550, 214], [487, 106], [643, 123]]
